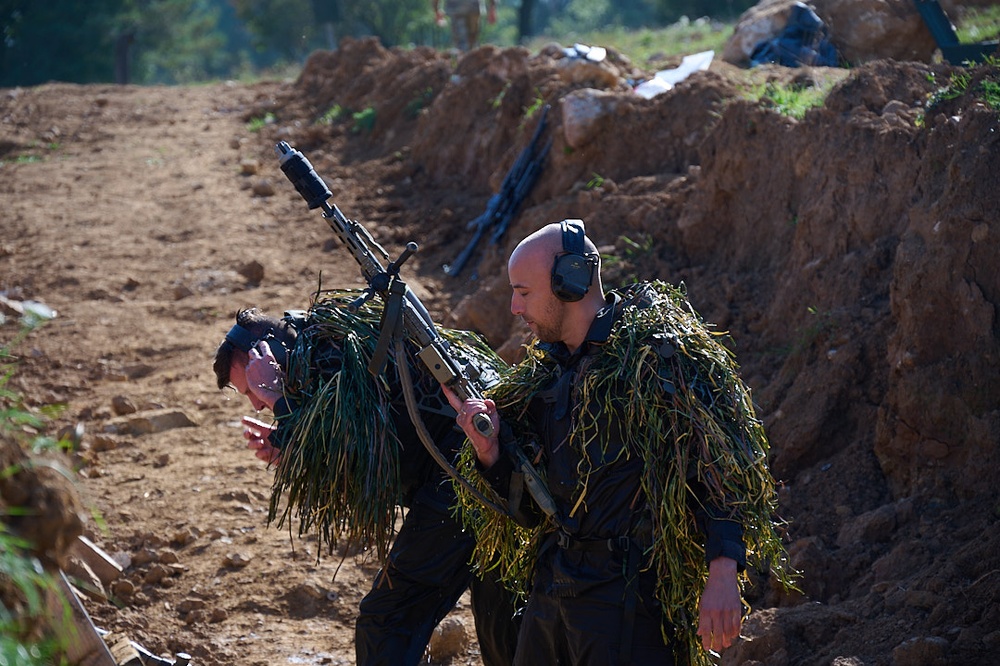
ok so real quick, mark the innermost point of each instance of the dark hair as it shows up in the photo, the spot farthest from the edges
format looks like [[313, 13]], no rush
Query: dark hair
[[262, 327]]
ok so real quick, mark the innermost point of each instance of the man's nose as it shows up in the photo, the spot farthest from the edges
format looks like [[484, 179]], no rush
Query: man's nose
[[516, 305]]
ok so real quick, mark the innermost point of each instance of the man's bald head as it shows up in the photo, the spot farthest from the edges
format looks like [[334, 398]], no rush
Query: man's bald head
[[533, 299]]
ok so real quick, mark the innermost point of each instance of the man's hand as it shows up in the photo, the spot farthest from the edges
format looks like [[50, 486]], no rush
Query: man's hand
[[258, 436], [487, 448], [721, 612], [264, 377]]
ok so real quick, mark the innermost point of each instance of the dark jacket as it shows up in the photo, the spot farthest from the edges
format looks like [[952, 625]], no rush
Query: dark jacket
[[614, 505]]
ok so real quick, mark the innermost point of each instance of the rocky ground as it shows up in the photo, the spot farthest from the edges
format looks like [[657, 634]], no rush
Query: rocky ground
[[852, 256]]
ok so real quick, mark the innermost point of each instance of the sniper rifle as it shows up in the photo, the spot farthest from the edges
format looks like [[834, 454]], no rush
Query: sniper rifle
[[404, 315]]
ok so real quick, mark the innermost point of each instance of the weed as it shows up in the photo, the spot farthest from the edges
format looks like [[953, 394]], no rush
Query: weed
[[978, 24], [418, 103], [956, 87], [364, 121], [596, 182], [258, 123], [536, 104], [332, 115], [991, 93], [636, 250], [18, 566], [791, 101], [498, 100]]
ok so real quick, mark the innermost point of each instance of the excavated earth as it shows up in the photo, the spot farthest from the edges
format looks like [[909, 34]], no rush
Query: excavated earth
[[853, 256]]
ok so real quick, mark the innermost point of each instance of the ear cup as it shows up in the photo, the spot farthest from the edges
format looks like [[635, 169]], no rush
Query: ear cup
[[573, 270], [244, 340]]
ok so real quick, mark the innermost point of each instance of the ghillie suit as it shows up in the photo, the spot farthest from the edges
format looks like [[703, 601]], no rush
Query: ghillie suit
[[673, 388], [343, 469]]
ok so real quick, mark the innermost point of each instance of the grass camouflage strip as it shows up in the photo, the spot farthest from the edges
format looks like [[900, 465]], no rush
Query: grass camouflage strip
[[339, 471], [689, 416]]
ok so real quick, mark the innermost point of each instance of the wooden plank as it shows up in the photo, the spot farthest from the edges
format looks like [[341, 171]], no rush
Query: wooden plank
[[84, 645]]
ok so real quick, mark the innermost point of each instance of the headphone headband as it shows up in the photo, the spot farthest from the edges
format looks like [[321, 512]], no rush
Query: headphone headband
[[241, 338], [573, 270], [572, 237]]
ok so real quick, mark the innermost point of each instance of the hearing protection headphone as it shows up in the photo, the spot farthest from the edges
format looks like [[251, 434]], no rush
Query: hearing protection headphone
[[243, 339], [573, 270]]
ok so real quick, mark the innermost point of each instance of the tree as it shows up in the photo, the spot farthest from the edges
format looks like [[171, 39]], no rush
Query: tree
[[286, 28], [57, 40], [149, 41], [176, 41]]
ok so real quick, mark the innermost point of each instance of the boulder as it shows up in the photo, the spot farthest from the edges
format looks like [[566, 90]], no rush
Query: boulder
[[861, 30]]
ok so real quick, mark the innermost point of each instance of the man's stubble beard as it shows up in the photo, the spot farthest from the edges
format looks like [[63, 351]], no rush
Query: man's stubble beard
[[552, 329]]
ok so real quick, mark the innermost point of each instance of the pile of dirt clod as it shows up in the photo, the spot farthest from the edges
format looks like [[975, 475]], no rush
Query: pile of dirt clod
[[852, 255]]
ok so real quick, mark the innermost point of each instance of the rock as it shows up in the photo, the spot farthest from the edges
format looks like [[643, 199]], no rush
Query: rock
[[263, 188], [249, 167], [123, 589], [861, 30], [122, 405], [184, 537], [866, 30], [103, 442], [253, 271], [144, 557], [169, 557], [872, 527], [189, 605], [584, 113], [449, 640], [237, 560], [156, 574], [147, 422], [920, 651], [585, 72], [760, 23]]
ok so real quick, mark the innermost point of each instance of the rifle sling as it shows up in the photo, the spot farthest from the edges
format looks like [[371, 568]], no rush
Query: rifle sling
[[391, 327]]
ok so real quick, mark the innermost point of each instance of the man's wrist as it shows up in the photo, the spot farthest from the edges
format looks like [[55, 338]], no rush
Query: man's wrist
[[723, 564]]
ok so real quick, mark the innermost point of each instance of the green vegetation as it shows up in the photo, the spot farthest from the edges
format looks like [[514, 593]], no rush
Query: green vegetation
[[991, 93], [257, 124], [596, 182], [21, 576], [978, 24], [536, 105], [791, 101], [982, 83], [647, 47], [332, 115], [421, 101], [498, 100], [187, 41], [364, 121]]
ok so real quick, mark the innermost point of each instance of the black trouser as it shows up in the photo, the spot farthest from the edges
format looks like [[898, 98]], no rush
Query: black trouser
[[592, 607], [427, 571]]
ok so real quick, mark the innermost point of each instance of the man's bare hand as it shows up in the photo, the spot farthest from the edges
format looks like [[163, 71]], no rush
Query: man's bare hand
[[721, 611], [487, 448], [264, 377], [258, 436]]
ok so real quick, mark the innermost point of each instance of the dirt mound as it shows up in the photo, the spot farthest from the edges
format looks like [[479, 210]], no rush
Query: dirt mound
[[851, 255]]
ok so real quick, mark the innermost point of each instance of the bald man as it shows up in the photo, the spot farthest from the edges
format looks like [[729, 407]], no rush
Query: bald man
[[593, 597]]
